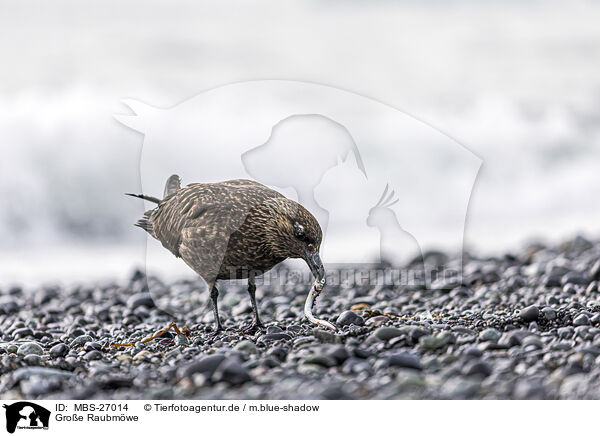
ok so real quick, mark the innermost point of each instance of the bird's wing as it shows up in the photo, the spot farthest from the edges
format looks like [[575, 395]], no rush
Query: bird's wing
[[196, 222], [173, 185]]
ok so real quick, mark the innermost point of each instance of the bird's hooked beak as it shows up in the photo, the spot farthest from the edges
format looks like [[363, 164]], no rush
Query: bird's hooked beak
[[314, 263]]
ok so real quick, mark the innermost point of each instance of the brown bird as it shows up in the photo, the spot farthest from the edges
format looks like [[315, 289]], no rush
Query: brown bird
[[237, 229]]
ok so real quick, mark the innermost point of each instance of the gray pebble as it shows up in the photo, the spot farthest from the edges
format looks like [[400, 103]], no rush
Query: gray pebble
[[405, 360], [206, 366], [59, 350], [530, 313], [321, 360], [549, 313], [231, 372], [478, 368], [30, 348], [81, 340], [489, 335], [387, 333], [142, 299], [348, 317], [580, 320], [432, 342]]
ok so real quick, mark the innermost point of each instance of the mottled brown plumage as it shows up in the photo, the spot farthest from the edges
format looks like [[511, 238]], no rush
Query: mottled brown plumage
[[232, 230]]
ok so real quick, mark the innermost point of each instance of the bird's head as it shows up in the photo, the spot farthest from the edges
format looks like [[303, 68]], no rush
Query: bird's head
[[298, 235]]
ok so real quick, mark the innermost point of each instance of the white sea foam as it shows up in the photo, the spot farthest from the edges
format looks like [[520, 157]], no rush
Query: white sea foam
[[515, 83]]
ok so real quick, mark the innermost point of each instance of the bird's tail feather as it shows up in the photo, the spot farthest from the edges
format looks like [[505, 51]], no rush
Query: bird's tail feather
[[146, 222], [145, 197]]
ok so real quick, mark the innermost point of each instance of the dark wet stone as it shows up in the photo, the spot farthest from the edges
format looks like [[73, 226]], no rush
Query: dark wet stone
[[42, 372], [339, 353], [405, 360], [595, 271], [81, 340], [417, 333], [279, 353], [8, 304], [232, 372], [272, 337], [575, 278], [115, 382], [357, 366], [336, 393], [76, 332], [33, 360], [387, 333], [93, 355], [566, 332], [473, 351], [348, 317], [432, 342], [489, 335], [514, 338], [30, 348], [141, 299], [59, 350], [530, 313], [321, 360], [206, 366], [553, 281], [581, 319], [89, 346], [478, 368], [22, 333]]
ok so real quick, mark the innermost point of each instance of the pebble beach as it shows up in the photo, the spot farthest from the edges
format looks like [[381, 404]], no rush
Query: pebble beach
[[524, 325]]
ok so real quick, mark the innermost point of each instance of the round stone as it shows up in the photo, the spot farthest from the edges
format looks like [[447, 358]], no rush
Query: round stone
[[81, 340], [405, 360], [33, 360], [581, 319], [93, 355], [489, 335], [23, 332], [59, 350], [529, 314], [478, 368], [141, 299], [387, 333], [348, 318], [432, 342], [232, 372], [549, 313], [30, 348]]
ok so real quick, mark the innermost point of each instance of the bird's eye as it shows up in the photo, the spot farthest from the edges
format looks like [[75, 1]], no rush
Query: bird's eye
[[299, 229]]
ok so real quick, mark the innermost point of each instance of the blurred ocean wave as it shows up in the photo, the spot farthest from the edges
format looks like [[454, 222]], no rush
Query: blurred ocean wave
[[516, 83]]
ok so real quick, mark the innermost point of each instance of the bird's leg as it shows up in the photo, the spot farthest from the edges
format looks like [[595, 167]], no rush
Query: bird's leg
[[256, 323], [214, 294]]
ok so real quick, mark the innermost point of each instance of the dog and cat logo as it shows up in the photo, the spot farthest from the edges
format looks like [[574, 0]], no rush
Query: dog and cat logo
[[26, 415]]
